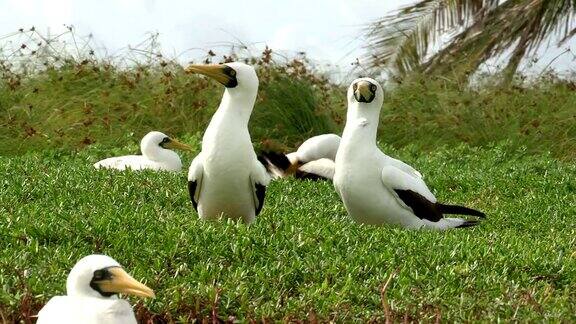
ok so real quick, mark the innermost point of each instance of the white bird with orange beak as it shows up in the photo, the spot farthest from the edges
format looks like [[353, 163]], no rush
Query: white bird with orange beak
[[156, 155], [377, 189], [91, 295], [226, 179]]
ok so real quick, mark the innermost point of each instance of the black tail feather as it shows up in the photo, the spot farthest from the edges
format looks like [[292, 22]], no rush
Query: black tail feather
[[303, 175], [460, 210], [468, 223]]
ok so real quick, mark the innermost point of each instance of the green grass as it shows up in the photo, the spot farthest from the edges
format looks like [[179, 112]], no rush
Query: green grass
[[303, 257]]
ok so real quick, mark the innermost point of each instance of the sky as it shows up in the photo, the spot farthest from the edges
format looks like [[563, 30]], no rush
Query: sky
[[327, 30]]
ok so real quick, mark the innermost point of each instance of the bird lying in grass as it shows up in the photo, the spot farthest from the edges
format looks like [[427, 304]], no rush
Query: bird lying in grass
[[314, 159], [226, 179], [91, 295], [375, 188], [156, 155]]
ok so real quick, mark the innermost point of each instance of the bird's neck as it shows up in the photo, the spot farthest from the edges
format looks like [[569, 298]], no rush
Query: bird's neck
[[236, 107], [230, 121], [361, 126], [77, 291], [156, 153]]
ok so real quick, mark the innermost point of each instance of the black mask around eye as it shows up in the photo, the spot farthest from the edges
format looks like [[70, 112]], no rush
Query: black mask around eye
[[99, 276], [230, 73], [164, 141]]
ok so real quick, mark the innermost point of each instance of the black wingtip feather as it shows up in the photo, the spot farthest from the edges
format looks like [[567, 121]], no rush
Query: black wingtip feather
[[192, 191], [260, 194], [460, 210], [279, 160]]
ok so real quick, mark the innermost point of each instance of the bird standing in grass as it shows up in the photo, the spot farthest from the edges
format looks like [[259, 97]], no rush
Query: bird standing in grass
[[226, 179], [156, 155], [91, 295], [314, 159], [375, 188]]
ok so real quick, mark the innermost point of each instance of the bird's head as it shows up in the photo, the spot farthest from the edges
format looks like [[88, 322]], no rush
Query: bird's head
[[365, 98], [101, 276], [365, 91], [154, 142], [237, 77]]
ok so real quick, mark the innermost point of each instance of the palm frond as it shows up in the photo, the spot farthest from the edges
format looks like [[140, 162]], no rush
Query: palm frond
[[568, 36], [518, 24], [402, 40]]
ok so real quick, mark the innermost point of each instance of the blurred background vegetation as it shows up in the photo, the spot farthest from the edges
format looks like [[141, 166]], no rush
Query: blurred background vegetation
[[59, 97]]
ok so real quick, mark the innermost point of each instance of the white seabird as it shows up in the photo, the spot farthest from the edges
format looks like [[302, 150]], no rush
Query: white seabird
[[156, 155], [91, 295], [226, 179], [375, 188], [314, 159]]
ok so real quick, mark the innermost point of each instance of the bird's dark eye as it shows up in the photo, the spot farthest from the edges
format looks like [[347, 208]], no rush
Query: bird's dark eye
[[99, 274], [355, 86], [164, 141], [102, 274], [373, 88], [231, 76]]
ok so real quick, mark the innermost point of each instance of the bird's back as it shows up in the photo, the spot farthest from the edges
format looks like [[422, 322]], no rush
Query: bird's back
[[134, 162], [139, 162], [321, 167], [86, 310], [318, 147]]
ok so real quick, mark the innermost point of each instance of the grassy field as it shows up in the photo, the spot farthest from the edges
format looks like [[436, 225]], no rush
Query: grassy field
[[303, 258]]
